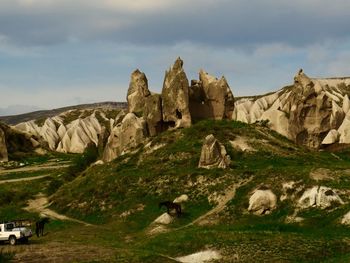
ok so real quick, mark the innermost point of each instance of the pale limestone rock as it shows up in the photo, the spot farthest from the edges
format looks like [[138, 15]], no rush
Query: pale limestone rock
[[210, 98], [319, 196], [128, 134], [201, 257], [262, 202], [346, 104], [137, 92], [346, 219], [213, 154], [181, 199], [153, 114], [3, 147], [332, 137], [164, 219], [305, 112], [175, 100]]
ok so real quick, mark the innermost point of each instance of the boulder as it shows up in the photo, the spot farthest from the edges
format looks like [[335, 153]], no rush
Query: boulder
[[128, 134], [213, 154], [181, 199], [210, 98], [346, 219], [137, 92], [3, 147], [262, 202], [164, 219], [175, 100], [319, 196]]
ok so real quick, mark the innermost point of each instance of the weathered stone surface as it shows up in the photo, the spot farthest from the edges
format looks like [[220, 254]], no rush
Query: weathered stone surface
[[3, 147], [128, 134], [137, 92], [213, 154], [164, 219], [262, 202], [175, 100], [181, 199], [346, 219], [68, 138], [153, 114], [210, 98], [79, 133], [312, 112], [319, 196]]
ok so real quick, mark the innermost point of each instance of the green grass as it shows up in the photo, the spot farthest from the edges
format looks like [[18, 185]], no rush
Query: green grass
[[137, 182]]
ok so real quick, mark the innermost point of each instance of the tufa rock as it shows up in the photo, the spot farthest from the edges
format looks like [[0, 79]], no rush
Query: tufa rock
[[262, 202], [213, 154], [137, 92], [319, 196], [3, 147], [311, 112], [153, 114], [128, 134], [346, 219], [175, 101], [210, 98], [181, 199]]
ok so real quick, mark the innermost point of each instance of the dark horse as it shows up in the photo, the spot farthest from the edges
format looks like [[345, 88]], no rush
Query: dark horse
[[171, 205], [39, 226]]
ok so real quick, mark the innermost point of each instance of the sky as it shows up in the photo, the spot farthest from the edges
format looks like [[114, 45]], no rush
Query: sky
[[56, 53]]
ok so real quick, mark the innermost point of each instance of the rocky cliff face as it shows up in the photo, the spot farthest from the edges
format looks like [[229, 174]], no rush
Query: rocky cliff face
[[71, 136], [211, 98], [175, 101], [312, 112]]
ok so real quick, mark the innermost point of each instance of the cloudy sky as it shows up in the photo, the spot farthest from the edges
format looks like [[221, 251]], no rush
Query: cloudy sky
[[61, 52]]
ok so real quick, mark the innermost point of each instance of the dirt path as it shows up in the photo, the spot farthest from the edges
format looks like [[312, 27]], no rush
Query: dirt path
[[23, 179], [203, 219], [34, 168], [229, 195], [40, 205]]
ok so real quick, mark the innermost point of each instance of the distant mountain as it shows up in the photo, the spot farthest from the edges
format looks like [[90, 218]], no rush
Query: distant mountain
[[42, 114]]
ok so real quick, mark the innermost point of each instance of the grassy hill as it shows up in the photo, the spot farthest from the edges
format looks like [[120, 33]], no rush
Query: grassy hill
[[122, 198]]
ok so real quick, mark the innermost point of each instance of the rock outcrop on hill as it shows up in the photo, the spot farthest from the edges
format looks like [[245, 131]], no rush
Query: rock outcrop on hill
[[175, 100], [211, 98], [213, 154], [262, 202], [3, 147], [67, 138], [127, 135], [312, 112], [319, 196], [137, 92]]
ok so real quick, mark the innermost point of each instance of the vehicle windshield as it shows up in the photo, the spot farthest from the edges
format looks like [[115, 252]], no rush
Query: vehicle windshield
[[9, 227]]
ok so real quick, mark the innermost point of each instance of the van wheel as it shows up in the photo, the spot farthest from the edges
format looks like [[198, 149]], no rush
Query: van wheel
[[12, 240]]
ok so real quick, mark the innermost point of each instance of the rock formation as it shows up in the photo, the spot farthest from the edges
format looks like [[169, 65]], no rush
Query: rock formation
[[319, 196], [213, 154], [312, 112], [128, 134], [210, 98], [262, 202], [137, 92], [3, 147], [346, 219], [68, 138], [175, 100]]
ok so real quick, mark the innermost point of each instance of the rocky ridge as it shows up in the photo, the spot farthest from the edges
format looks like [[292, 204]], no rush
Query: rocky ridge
[[312, 112]]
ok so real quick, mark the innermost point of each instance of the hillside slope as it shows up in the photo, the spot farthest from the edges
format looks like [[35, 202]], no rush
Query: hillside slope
[[126, 193]]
